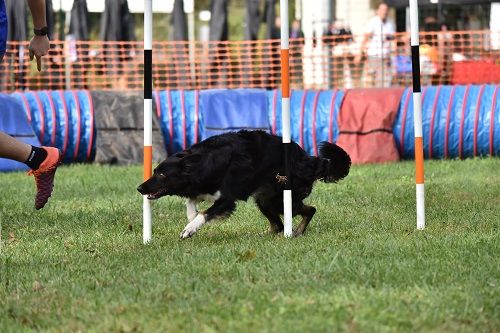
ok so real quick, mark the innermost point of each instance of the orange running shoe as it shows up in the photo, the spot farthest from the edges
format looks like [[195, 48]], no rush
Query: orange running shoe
[[44, 176]]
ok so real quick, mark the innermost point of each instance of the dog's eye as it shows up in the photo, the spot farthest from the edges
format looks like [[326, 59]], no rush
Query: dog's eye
[[161, 174]]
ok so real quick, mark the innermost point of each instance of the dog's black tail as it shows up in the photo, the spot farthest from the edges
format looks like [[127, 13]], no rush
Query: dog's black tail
[[333, 163]]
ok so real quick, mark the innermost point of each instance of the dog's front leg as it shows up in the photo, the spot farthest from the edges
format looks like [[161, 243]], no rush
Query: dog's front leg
[[220, 208], [193, 226], [191, 210]]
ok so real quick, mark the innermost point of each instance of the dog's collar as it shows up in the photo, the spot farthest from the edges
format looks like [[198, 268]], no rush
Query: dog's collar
[[281, 179]]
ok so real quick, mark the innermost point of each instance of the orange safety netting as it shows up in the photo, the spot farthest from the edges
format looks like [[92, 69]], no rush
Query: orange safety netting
[[323, 63]]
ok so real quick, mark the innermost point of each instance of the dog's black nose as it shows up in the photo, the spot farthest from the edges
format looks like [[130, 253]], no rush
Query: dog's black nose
[[140, 189]]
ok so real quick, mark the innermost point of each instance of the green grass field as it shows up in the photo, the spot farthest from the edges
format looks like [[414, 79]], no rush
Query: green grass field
[[79, 264]]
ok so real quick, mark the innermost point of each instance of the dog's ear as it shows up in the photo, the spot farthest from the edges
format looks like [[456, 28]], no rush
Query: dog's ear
[[182, 154], [170, 162], [190, 160]]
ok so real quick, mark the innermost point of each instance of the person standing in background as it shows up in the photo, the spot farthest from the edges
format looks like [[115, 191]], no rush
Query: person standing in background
[[377, 44], [339, 40], [296, 31]]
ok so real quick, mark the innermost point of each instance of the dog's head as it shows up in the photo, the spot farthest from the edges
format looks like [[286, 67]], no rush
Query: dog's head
[[167, 179]]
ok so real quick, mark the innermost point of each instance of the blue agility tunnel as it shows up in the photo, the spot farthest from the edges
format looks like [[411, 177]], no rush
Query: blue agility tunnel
[[232, 110], [458, 122], [64, 120], [179, 115], [187, 117], [15, 122], [313, 114]]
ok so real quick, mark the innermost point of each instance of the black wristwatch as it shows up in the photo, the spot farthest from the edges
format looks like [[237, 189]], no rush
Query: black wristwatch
[[41, 32]]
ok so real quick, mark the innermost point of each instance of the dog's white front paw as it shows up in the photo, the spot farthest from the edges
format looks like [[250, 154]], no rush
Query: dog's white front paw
[[193, 226], [187, 232]]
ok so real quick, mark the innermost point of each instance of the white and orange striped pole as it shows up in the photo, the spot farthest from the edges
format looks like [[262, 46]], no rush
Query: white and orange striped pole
[[285, 117], [148, 116], [417, 115]]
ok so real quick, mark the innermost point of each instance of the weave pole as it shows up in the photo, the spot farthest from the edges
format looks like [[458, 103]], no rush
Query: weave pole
[[148, 116], [285, 117], [417, 114]]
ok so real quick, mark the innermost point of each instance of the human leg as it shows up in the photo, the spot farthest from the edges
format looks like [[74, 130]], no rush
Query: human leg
[[43, 162], [13, 149]]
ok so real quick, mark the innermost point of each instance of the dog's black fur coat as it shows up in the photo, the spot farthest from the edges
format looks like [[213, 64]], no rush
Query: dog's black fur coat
[[243, 164]]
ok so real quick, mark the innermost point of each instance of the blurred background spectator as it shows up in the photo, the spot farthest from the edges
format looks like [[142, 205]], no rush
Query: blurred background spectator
[[377, 44], [339, 41]]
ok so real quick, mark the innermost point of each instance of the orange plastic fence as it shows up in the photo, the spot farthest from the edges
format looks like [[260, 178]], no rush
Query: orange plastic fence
[[447, 58]]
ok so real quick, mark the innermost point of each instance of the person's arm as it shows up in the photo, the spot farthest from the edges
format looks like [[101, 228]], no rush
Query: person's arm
[[364, 40], [362, 47], [39, 45], [37, 8], [371, 29], [392, 39]]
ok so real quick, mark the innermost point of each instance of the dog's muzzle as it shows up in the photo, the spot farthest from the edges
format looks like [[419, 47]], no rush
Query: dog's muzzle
[[141, 189], [151, 195]]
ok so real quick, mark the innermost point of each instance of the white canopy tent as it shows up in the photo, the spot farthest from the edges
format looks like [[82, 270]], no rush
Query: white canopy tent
[[135, 6]]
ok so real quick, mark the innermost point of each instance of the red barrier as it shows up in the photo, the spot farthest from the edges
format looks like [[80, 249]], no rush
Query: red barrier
[[475, 72], [365, 123]]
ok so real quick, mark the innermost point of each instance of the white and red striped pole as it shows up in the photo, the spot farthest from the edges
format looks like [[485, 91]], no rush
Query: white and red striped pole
[[417, 115], [148, 116], [285, 117]]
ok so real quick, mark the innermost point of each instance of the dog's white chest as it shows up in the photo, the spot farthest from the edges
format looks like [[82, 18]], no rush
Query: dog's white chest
[[208, 197]]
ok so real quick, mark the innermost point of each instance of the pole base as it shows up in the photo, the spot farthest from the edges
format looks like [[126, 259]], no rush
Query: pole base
[[287, 216], [146, 220]]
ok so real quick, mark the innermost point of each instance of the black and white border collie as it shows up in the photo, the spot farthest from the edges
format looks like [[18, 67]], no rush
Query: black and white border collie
[[234, 166]]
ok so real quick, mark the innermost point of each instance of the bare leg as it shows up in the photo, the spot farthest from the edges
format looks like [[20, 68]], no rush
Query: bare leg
[[13, 149]]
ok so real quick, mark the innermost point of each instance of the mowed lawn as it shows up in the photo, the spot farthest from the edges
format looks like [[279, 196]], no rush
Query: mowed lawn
[[79, 264]]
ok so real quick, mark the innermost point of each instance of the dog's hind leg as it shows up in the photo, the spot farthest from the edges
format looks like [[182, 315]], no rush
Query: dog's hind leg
[[191, 210], [221, 208], [307, 213], [275, 224]]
